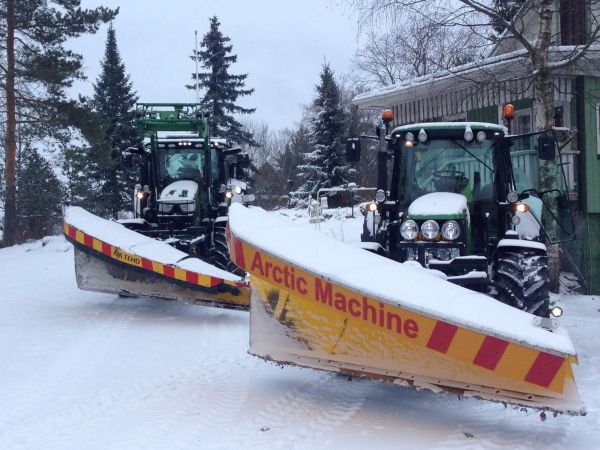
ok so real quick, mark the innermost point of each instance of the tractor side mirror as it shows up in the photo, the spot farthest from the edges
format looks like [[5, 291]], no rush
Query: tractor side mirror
[[353, 150], [546, 147], [243, 160]]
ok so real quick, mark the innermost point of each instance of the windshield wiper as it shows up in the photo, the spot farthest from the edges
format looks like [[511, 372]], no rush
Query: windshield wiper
[[465, 149]]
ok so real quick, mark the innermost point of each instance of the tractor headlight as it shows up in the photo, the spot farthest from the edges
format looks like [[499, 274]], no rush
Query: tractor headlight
[[430, 229], [188, 207], [451, 230], [228, 195], [372, 207], [512, 197], [238, 190], [380, 196], [409, 230], [139, 195], [165, 207]]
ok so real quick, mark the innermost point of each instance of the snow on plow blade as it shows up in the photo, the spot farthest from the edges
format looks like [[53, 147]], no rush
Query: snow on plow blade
[[324, 304], [110, 258]]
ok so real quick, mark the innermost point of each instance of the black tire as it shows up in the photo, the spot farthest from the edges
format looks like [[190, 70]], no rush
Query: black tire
[[521, 279], [220, 251]]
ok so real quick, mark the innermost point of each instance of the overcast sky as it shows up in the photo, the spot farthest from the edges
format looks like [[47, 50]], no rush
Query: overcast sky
[[281, 44]]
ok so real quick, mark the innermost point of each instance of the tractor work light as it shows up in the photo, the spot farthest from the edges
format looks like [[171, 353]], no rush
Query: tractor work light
[[410, 137], [139, 195], [512, 197], [228, 195], [481, 136], [409, 230], [422, 136], [430, 229], [372, 207], [468, 134], [451, 230], [238, 190], [556, 311], [380, 196], [522, 207]]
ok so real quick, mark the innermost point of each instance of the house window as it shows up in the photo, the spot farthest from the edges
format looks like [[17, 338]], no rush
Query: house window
[[572, 22], [522, 125]]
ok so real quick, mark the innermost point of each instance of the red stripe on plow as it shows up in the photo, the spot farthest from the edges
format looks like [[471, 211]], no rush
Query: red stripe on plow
[[442, 336], [544, 369], [490, 352], [239, 253]]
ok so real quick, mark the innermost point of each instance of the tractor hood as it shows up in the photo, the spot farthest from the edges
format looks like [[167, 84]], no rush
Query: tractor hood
[[441, 205], [181, 191]]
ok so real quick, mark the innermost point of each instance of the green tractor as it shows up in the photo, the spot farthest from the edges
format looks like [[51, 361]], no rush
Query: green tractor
[[464, 199], [188, 179]]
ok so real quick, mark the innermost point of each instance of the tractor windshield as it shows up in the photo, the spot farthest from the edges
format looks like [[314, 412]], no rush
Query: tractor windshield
[[178, 163], [446, 165]]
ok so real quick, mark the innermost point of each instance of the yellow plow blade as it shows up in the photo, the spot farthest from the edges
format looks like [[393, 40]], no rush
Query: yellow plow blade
[[110, 258], [322, 317]]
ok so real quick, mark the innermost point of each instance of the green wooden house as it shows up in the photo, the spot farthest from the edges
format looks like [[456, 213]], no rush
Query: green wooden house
[[478, 91]]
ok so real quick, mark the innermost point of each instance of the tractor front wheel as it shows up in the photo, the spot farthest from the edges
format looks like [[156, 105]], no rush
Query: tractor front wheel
[[220, 251], [520, 276]]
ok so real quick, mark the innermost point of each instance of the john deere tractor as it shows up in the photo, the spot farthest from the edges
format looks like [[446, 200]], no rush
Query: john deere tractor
[[188, 179], [464, 199]]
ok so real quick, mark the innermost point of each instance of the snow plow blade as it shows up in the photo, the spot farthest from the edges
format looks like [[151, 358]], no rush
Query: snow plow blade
[[320, 303], [110, 258]]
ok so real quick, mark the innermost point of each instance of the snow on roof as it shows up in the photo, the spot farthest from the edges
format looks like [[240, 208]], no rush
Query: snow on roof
[[512, 64], [437, 125], [413, 288]]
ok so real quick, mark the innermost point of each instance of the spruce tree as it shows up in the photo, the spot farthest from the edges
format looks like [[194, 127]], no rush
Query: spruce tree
[[39, 195], [221, 89], [114, 103], [325, 166], [37, 71], [507, 10]]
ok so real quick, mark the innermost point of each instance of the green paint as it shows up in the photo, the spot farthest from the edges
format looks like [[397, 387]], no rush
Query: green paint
[[488, 114], [592, 163]]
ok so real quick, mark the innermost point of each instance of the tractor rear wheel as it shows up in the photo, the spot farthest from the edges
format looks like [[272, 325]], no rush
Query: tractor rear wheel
[[220, 251], [521, 279]]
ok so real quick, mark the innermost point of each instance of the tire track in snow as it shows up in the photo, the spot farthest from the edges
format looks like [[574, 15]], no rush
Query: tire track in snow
[[88, 348], [111, 403], [306, 412]]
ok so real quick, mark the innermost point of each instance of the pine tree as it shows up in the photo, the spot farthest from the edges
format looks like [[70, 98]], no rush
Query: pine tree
[[325, 166], [222, 89], [507, 9], [37, 70], [114, 103], [39, 195]]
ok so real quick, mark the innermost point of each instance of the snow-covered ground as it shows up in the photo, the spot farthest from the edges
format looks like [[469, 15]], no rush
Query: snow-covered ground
[[94, 371]]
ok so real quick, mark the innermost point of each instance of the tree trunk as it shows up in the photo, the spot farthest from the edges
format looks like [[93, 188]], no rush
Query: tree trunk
[[10, 202], [544, 120]]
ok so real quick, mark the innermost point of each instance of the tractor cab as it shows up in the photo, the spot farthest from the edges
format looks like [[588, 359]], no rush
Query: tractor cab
[[471, 201], [187, 178]]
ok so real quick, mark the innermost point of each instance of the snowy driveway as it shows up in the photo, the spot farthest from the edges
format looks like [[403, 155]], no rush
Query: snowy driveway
[[88, 370]]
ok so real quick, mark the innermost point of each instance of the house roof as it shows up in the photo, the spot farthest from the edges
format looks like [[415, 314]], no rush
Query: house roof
[[509, 66]]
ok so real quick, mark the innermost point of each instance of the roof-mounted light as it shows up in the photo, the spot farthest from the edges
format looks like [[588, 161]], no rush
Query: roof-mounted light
[[468, 134], [508, 112], [387, 115], [422, 136]]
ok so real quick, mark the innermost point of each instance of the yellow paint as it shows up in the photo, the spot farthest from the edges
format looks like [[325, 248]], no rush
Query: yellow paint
[[354, 340]]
